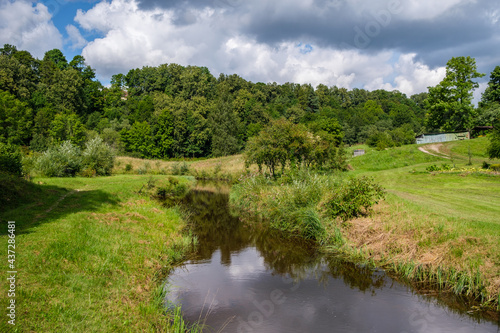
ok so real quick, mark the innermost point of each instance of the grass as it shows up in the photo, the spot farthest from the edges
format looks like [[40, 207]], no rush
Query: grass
[[91, 254], [439, 228], [227, 168], [445, 223], [388, 159]]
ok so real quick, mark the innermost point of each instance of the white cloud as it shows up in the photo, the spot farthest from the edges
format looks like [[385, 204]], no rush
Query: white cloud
[[411, 77], [75, 39], [135, 38], [29, 27], [428, 9]]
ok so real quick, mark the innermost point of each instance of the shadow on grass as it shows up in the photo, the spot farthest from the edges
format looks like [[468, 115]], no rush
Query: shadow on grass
[[30, 205]]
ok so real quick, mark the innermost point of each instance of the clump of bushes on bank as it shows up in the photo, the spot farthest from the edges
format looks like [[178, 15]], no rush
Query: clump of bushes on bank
[[10, 159], [169, 191], [67, 160], [303, 203]]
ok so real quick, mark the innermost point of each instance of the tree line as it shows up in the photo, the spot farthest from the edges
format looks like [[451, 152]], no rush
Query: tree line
[[173, 111]]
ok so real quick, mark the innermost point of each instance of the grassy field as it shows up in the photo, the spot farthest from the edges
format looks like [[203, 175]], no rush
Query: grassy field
[[91, 254], [226, 167], [440, 220], [441, 228]]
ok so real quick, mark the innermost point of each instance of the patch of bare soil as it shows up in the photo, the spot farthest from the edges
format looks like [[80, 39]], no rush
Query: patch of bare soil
[[434, 149]]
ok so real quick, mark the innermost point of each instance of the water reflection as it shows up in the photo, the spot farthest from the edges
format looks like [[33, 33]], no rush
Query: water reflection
[[218, 229], [247, 278]]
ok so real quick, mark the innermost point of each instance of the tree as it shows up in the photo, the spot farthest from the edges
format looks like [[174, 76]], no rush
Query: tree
[[450, 102], [57, 57], [283, 143], [139, 139], [15, 120], [494, 146], [67, 127], [163, 134], [225, 127], [492, 92]]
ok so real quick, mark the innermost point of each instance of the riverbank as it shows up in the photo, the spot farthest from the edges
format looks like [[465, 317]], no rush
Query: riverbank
[[91, 255], [439, 230]]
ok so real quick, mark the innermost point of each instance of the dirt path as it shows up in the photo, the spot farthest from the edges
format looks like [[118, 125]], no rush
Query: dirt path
[[434, 149]]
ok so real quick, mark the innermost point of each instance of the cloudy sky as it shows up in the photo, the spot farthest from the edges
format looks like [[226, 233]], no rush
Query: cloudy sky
[[371, 44]]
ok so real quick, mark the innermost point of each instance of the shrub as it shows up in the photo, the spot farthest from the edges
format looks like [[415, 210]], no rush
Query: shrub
[[486, 165], [128, 167], [10, 159], [60, 161], [495, 167], [170, 192], [98, 157], [354, 198], [180, 168], [432, 168]]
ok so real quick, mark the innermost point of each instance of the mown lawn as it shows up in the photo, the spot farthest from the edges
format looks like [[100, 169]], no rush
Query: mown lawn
[[90, 255]]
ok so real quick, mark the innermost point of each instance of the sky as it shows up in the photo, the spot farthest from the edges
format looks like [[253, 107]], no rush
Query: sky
[[372, 44]]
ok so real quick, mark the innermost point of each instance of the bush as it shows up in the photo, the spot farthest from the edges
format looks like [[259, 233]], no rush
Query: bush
[[98, 158], [10, 159], [60, 161], [170, 192], [495, 167], [128, 167], [354, 198], [180, 168], [486, 165], [435, 168]]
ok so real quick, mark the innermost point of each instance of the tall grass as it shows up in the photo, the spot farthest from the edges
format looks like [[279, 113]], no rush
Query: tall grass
[[300, 202]]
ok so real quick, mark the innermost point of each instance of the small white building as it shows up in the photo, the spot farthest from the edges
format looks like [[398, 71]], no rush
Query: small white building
[[358, 152], [442, 137]]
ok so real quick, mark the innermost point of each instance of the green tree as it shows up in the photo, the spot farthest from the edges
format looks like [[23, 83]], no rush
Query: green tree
[[139, 139], [57, 57], [16, 120], [492, 92], [283, 143], [163, 134], [494, 146], [225, 127], [450, 102], [17, 78], [10, 159], [271, 147], [66, 127]]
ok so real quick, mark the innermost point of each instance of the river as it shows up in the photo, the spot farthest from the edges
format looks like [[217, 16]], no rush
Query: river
[[244, 277]]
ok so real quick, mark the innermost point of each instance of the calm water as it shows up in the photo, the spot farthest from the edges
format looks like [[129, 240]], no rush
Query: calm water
[[245, 278]]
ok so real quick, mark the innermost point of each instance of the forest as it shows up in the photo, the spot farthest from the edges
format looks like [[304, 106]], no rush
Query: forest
[[174, 111]]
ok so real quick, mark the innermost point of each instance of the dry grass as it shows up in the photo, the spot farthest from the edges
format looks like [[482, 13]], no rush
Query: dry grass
[[213, 167], [395, 234]]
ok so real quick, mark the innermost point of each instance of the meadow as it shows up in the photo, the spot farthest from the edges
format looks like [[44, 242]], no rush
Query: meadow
[[438, 229], [442, 222], [92, 255]]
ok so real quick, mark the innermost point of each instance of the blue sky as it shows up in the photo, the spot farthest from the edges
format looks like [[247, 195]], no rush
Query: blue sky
[[378, 44]]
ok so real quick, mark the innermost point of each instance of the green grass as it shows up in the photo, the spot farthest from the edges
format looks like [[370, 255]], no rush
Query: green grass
[[91, 254], [449, 221], [393, 158], [441, 228], [477, 148]]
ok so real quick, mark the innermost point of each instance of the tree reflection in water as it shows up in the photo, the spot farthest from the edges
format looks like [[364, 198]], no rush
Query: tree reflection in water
[[211, 220]]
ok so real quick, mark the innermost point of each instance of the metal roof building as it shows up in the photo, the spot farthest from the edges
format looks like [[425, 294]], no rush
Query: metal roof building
[[442, 137]]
